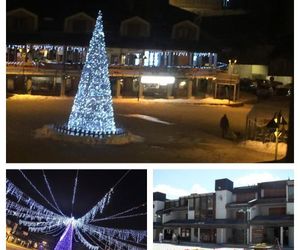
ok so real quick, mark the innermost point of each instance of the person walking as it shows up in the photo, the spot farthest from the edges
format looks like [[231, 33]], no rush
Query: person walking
[[224, 124], [161, 237], [178, 239]]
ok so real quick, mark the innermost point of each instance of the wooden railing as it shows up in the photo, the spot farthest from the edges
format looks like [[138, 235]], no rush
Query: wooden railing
[[117, 71]]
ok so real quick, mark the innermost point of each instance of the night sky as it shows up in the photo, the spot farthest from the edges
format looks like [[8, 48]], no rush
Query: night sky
[[92, 186]]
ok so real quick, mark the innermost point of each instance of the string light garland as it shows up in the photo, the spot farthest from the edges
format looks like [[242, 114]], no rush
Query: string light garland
[[39, 219], [51, 193]]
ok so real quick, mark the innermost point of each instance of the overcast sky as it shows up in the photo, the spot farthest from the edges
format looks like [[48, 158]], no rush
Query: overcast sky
[[176, 183]]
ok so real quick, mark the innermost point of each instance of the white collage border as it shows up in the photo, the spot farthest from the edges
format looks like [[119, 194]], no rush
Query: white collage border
[[149, 167]]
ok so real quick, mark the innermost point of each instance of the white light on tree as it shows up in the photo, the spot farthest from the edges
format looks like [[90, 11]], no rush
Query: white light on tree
[[92, 109], [161, 80]]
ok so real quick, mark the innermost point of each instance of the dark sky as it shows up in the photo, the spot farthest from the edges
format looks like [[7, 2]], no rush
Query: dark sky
[[92, 186]]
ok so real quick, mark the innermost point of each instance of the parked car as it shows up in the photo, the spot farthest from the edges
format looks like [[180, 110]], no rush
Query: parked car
[[263, 88], [247, 85], [284, 90]]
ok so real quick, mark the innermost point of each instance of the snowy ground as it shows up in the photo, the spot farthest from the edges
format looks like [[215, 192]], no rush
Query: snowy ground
[[167, 132], [10, 246], [165, 246]]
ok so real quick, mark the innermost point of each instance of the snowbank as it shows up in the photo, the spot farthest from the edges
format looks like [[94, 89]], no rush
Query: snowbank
[[36, 97], [47, 132], [268, 147]]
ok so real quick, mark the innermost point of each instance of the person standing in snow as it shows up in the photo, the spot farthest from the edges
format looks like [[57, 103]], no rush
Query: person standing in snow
[[224, 124]]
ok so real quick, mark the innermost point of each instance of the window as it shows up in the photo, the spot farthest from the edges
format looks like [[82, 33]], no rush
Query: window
[[183, 201], [186, 30], [242, 197], [274, 192], [79, 23], [204, 203], [185, 232], [191, 204], [210, 203], [21, 20], [135, 27]]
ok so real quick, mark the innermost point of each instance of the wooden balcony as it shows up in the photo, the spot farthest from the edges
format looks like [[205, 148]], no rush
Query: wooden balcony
[[57, 69]]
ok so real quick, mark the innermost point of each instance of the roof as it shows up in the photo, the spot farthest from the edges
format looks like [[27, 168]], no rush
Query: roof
[[51, 23], [245, 189]]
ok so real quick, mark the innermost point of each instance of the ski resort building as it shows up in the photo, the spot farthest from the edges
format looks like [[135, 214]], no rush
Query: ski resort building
[[263, 213], [149, 55]]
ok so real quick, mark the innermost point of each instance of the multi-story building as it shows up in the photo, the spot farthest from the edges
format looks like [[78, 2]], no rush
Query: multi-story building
[[263, 213], [46, 49]]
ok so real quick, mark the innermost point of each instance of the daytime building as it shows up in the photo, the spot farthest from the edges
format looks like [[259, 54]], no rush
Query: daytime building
[[241, 215]]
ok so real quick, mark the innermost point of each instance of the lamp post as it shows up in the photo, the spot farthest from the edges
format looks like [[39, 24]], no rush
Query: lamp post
[[231, 64], [277, 125], [277, 133]]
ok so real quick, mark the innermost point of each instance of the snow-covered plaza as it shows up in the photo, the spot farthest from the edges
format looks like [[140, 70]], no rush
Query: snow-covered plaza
[[167, 132], [167, 246]]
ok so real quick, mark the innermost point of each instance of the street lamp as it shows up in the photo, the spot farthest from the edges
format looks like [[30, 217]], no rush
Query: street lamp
[[277, 126], [231, 64]]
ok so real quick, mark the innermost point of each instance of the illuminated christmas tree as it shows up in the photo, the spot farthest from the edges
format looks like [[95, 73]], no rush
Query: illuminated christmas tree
[[92, 110]]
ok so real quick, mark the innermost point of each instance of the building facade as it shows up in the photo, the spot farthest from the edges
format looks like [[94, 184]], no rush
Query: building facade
[[248, 215], [45, 54]]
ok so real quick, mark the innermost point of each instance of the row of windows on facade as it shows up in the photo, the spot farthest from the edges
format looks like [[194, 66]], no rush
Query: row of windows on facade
[[236, 213], [21, 20], [207, 202], [144, 58]]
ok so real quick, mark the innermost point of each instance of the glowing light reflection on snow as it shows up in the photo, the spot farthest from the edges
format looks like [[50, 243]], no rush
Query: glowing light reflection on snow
[[148, 118]]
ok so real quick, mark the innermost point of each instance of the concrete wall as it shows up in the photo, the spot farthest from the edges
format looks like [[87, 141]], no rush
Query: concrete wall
[[251, 71]]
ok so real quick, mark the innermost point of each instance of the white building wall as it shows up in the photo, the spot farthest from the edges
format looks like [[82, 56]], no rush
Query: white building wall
[[158, 205], [223, 197], [254, 211]]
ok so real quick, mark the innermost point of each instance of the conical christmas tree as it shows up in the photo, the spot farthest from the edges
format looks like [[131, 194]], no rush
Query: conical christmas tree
[[65, 241], [92, 110]]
